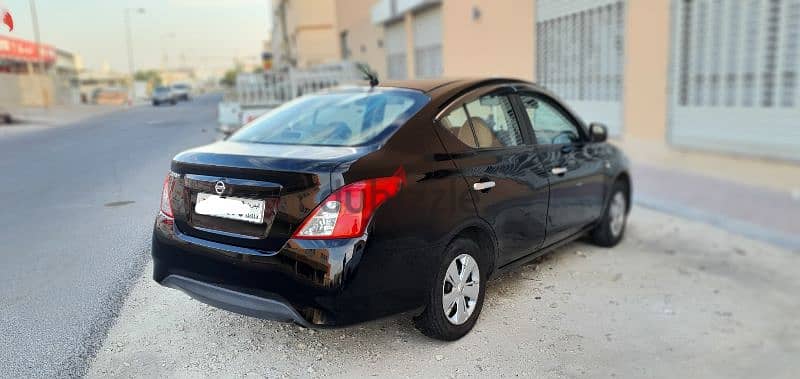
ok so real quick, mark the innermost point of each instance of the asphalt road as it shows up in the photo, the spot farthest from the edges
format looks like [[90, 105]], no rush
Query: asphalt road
[[78, 202]]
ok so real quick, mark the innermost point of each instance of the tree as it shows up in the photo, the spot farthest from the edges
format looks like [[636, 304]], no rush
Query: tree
[[229, 79], [150, 76]]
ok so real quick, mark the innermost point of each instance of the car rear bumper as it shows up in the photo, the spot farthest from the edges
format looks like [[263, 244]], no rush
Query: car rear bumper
[[266, 307], [309, 282]]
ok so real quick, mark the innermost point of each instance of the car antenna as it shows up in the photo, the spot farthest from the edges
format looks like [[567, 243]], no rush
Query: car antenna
[[368, 74]]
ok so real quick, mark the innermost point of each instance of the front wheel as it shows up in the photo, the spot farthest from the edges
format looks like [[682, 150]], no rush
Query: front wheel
[[612, 225], [456, 299]]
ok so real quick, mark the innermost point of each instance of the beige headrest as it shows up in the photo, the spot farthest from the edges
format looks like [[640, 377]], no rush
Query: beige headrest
[[486, 137], [465, 134]]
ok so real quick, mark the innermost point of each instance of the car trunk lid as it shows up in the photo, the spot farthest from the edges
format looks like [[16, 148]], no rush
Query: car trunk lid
[[291, 180]]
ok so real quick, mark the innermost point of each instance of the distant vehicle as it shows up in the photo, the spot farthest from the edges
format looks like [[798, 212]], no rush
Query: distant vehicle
[[163, 94], [357, 203], [181, 91], [5, 116]]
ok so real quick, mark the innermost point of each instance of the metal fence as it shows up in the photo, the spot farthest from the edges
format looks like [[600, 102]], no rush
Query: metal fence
[[734, 74], [276, 87], [580, 56]]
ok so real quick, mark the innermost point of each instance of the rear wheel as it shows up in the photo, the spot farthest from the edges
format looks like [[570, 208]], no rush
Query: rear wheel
[[456, 299], [612, 225], [7, 119]]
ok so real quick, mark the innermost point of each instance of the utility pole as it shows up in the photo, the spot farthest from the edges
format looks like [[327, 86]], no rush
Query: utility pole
[[37, 38], [129, 40]]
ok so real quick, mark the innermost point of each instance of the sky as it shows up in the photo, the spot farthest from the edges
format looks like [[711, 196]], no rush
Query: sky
[[208, 33]]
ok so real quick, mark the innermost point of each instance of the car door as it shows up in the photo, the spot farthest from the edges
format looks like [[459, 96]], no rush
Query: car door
[[575, 172], [506, 178]]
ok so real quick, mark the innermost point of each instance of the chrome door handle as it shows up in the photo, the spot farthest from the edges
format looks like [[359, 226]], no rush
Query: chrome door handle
[[559, 170], [482, 186]]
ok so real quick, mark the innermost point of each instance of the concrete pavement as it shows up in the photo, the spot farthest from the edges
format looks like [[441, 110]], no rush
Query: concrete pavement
[[32, 119], [756, 212], [749, 196], [775, 175], [78, 205], [675, 299]]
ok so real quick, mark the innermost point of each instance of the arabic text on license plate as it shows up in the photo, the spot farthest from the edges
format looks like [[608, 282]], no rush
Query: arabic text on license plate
[[234, 208]]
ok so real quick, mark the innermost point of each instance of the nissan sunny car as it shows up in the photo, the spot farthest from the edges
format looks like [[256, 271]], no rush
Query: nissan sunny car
[[358, 203]]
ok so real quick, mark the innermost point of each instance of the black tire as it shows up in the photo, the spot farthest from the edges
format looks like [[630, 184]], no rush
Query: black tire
[[7, 119], [432, 321], [603, 234], [155, 103]]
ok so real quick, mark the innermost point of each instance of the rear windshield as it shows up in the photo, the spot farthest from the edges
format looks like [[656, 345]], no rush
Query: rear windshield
[[341, 118], [162, 89]]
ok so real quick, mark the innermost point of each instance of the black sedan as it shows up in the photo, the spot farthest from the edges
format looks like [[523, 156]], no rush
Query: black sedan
[[362, 202]]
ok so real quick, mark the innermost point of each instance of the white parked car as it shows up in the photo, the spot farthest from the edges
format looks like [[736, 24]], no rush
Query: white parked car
[[181, 91], [163, 95]]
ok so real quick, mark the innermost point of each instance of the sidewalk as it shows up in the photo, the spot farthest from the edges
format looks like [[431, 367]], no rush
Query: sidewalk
[[60, 114], [30, 119], [756, 198]]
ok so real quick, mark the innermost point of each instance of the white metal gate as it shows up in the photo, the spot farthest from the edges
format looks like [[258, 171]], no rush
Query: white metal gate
[[580, 56], [395, 44], [428, 43], [734, 76]]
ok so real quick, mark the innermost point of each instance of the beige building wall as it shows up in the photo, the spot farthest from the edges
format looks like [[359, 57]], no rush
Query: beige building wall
[[647, 44], [408, 23], [26, 90], [364, 39], [501, 42], [311, 29], [316, 45]]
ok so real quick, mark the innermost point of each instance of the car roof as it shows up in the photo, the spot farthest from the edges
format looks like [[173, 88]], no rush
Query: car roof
[[424, 85], [444, 86]]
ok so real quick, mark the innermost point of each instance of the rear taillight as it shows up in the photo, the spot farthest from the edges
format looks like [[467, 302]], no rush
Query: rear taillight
[[347, 212], [166, 194]]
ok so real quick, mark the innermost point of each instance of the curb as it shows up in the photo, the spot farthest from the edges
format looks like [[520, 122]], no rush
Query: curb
[[740, 227]]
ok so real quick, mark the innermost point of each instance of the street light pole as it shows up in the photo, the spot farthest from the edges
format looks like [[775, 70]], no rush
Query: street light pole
[[129, 40], [164, 42], [37, 38]]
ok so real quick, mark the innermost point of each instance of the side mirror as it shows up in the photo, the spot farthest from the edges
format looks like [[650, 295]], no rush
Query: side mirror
[[598, 132]]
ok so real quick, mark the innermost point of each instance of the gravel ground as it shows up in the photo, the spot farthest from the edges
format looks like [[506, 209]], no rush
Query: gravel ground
[[675, 299]]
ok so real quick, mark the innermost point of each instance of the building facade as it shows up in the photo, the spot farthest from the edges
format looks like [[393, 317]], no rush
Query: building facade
[[25, 78], [304, 33], [34, 74], [359, 39], [712, 75]]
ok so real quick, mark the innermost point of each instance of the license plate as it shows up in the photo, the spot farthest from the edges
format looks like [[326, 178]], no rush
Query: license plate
[[233, 208]]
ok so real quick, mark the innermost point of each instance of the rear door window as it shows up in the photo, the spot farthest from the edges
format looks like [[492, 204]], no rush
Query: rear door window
[[494, 122], [341, 118], [456, 122]]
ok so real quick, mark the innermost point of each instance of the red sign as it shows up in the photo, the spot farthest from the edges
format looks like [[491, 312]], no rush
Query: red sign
[[20, 50], [5, 15]]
